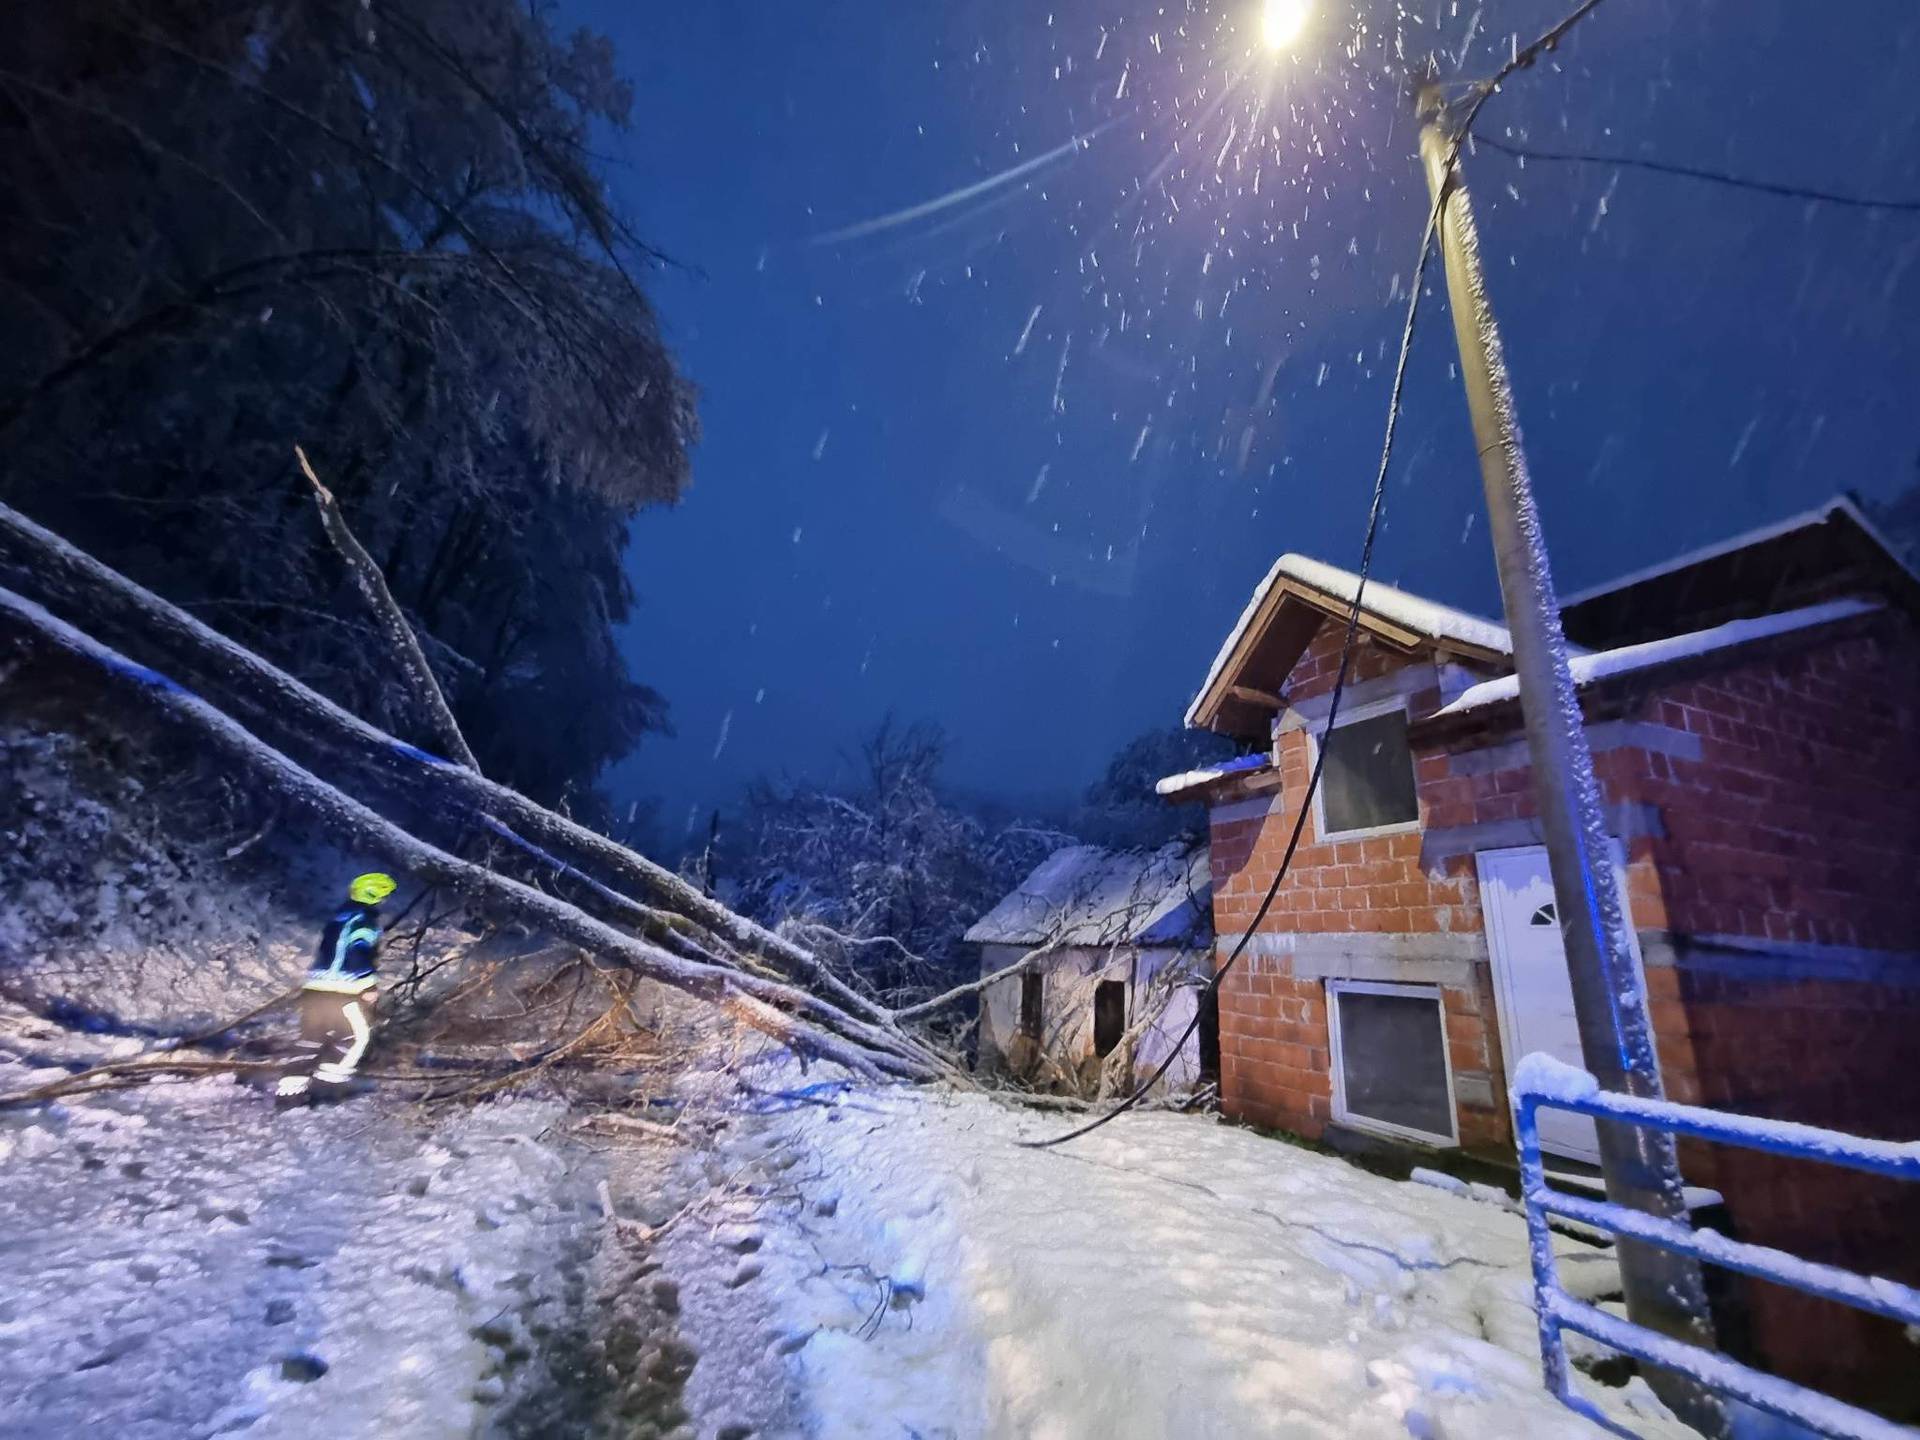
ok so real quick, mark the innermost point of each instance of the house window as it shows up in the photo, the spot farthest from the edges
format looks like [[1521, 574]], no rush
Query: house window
[[1390, 1066], [1032, 998], [1367, 782], [1109, 1015]]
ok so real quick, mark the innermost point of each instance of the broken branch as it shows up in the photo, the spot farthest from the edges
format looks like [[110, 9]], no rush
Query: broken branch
[[414, 669], [802, 1021]]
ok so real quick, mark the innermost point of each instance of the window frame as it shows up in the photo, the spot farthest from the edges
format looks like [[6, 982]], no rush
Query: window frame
[[1341, 1113], [1353, 717]]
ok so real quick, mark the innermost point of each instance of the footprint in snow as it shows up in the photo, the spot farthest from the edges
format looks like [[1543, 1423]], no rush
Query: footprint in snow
[[115, 1350], [303, 1367]]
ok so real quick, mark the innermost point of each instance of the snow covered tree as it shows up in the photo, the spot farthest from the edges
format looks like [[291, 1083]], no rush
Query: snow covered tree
[[377, 232], [1899, 518], [1121, 810], [883, 874]]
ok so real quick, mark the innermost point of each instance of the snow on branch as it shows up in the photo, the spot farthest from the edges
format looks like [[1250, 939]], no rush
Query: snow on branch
[[326, 738], [797, 1018], [414, 668]]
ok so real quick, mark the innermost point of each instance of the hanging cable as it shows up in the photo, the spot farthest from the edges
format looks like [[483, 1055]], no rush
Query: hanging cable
[[1521, 59], [1696, 172], [1333, 712]]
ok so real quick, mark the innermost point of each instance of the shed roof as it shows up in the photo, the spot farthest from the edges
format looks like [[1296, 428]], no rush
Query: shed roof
[[1629, 659], [1826, 553], [1205, 775], [1084, 895]]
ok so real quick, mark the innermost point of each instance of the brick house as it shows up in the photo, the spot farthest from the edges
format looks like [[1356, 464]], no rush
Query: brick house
[[1754, 713]]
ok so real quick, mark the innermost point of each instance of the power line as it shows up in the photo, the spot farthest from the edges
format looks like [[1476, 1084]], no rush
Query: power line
[[1698, 172], [1521, 59], [1333, 713]]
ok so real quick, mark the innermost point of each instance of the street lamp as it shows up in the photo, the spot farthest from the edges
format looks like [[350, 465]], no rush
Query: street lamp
[[1281, 21]]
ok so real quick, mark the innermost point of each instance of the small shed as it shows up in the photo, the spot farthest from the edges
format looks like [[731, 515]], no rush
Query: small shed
[[1116, 949]]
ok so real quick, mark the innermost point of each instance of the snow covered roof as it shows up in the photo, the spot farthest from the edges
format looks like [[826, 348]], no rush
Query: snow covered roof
[[1408, 617], [1424, 617], [1839, 505], [1207, 774], [1629, 658], [1084, 895]]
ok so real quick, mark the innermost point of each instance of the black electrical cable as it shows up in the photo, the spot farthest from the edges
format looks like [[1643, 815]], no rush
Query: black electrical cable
[[1320, 760], [1697, 172], [1520, 60]]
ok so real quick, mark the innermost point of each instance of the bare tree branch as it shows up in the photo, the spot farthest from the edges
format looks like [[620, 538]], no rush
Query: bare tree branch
[[414, 668], [794, 1017], [317, 732]]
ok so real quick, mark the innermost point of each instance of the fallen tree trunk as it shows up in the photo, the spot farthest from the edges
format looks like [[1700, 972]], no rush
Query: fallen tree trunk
[[322, 736], [798, 1019]]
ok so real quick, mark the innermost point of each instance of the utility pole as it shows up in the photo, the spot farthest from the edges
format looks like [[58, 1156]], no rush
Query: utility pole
[[1663, 1290]]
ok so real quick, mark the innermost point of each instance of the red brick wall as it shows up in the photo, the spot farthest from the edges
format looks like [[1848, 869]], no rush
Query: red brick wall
[[1313, 674], [1799, 823], [1275, 1064]]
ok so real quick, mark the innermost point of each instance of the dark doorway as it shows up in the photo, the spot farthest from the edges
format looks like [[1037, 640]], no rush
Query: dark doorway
[[1209, 1036], [1032, 1001], [1109, 1015]]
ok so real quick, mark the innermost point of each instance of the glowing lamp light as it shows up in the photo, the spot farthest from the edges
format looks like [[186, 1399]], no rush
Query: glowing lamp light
[[1281, 21]]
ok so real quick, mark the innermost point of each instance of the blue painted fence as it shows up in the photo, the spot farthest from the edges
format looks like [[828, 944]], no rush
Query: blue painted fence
[[1540, 1081]]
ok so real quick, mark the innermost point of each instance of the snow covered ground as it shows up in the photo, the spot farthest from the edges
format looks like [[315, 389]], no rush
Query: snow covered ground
[[1168, 1276], [840, 1262], [182, 1262]]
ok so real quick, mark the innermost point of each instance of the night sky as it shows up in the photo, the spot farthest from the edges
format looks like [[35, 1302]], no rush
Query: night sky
[[900, 506]]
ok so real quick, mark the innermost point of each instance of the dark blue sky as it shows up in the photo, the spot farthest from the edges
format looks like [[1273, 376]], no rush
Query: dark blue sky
[[898, 506]]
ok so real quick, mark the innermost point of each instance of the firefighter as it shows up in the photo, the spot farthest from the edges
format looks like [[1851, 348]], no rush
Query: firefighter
[[336, 1002]]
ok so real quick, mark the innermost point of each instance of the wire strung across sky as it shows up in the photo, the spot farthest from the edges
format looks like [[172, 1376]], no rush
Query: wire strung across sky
[[1485, 90], [1697, 172]]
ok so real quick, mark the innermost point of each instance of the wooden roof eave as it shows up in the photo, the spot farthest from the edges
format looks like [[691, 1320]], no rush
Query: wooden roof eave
[[1399, 637]]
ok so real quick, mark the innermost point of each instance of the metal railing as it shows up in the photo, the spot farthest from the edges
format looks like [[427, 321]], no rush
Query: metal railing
[[1540, 1081]]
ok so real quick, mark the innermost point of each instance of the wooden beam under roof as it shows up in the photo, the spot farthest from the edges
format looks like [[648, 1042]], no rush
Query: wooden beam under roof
[[1247, 695]]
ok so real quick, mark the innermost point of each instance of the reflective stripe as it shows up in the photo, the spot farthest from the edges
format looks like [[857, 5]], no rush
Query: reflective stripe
[[362, 1032], [343, 947], [345, 985], [351, 937]]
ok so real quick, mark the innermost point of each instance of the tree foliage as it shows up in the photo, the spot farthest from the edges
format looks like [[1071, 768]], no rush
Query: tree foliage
[[1899, 518], [1121, 810], [377, 231]]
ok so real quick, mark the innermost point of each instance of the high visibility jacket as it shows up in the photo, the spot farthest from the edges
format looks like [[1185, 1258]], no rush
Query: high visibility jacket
[[344, 960]]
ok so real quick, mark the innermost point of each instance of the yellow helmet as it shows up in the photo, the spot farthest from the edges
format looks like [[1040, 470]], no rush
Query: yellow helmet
[[370, 889]]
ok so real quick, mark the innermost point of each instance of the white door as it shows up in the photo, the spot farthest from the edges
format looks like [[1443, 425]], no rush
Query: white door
[[1530, 978]]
